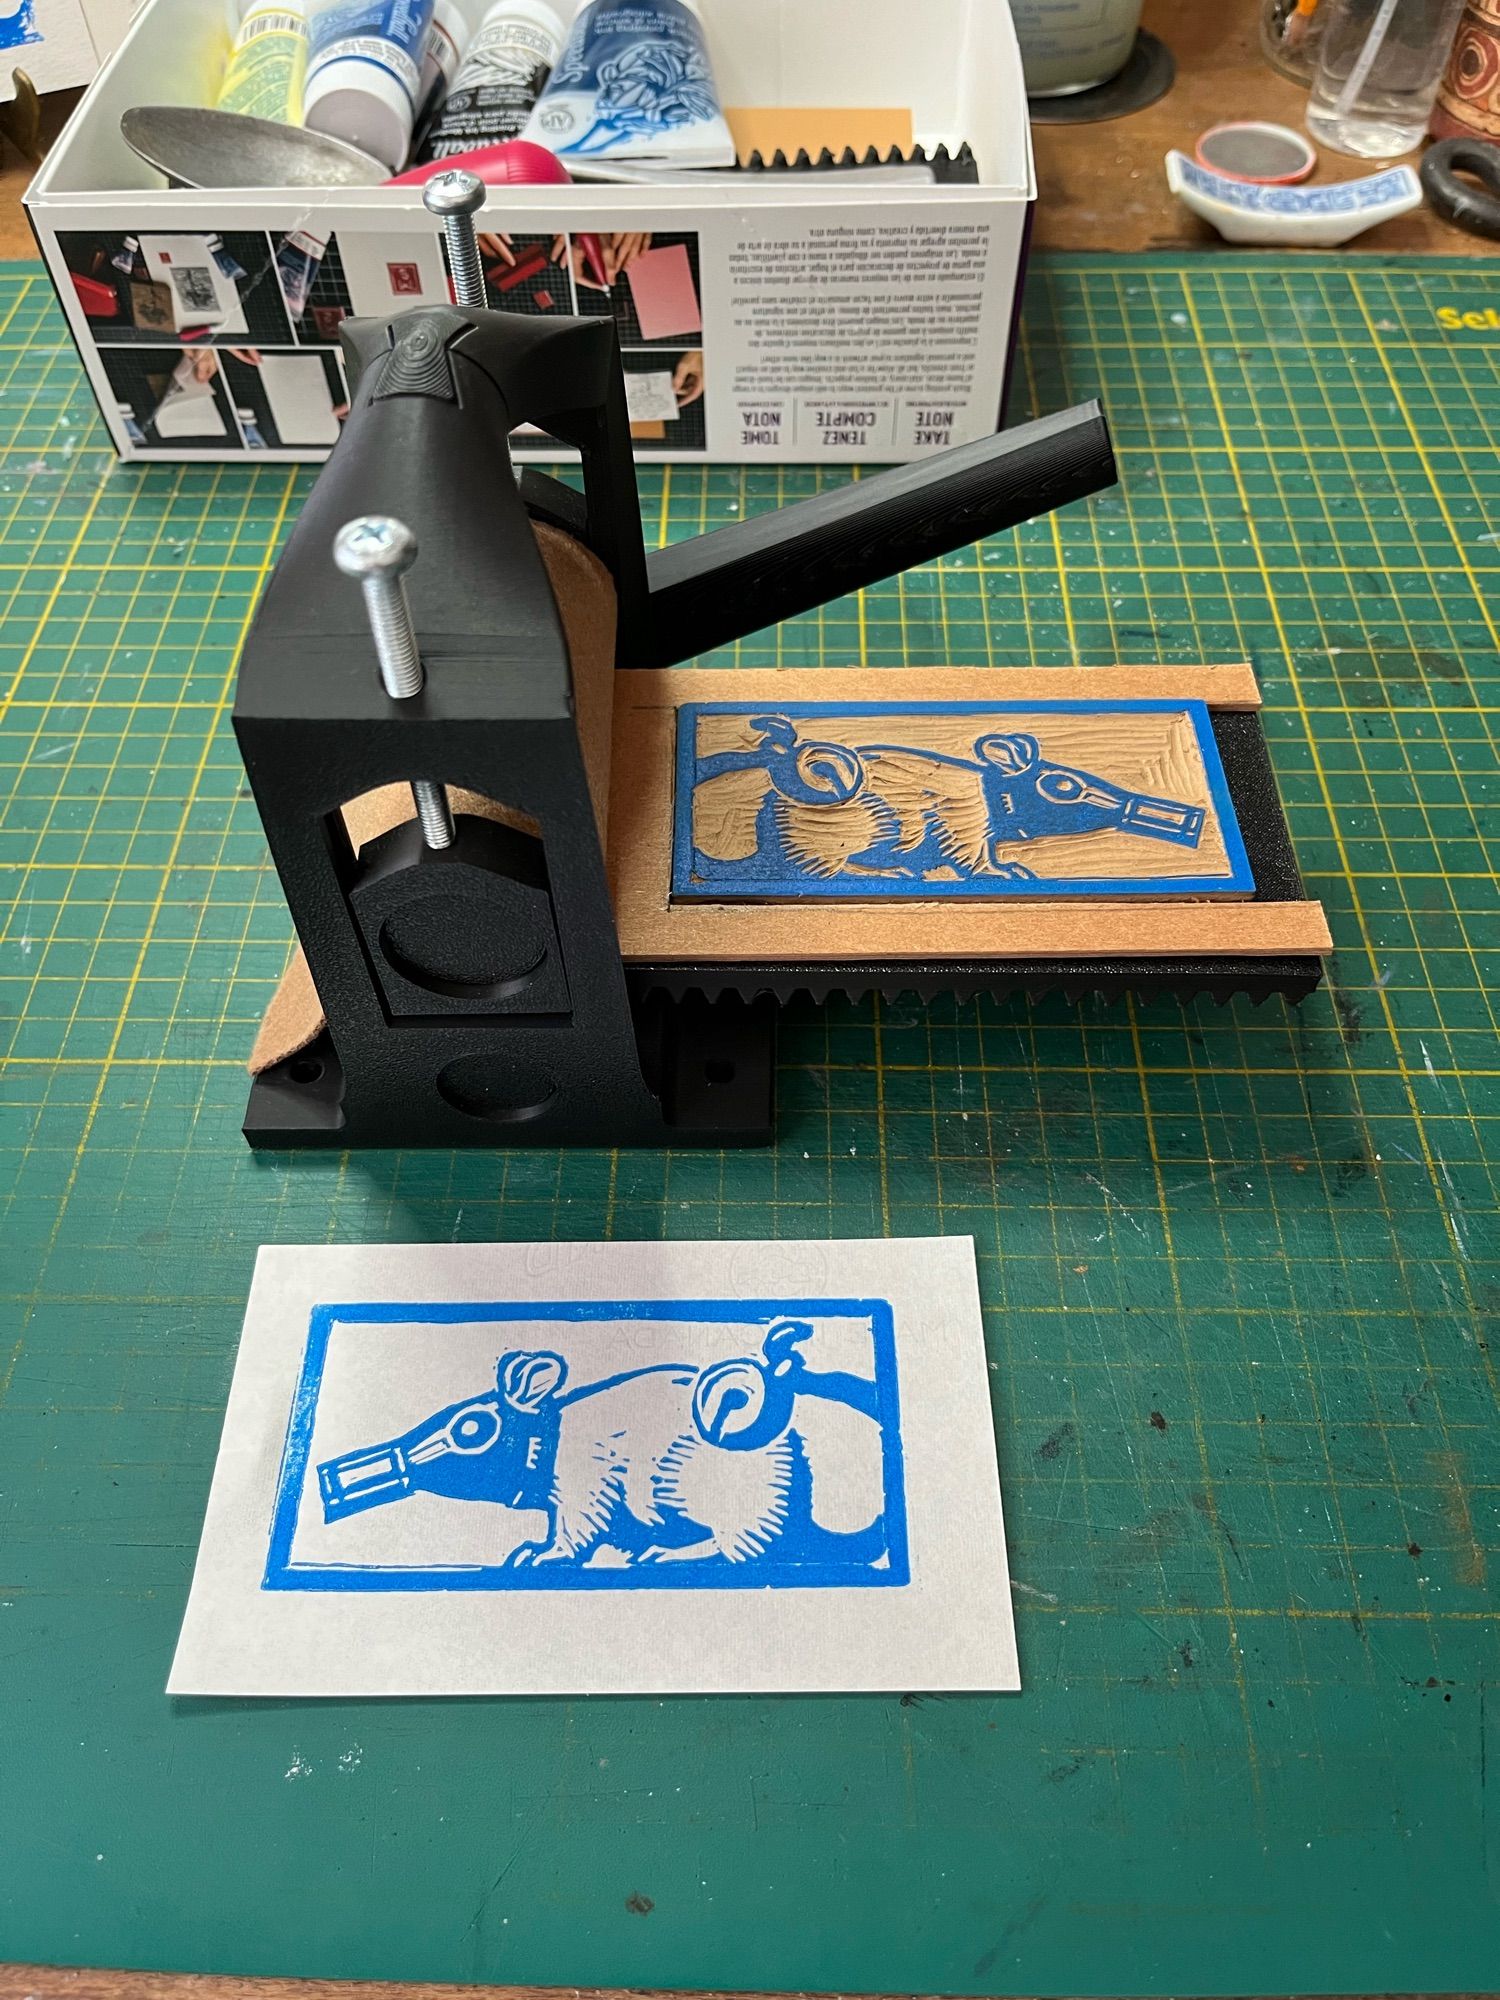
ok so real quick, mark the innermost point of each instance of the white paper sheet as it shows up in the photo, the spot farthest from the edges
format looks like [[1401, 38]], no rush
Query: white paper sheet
[[605, 1468], [650, 397], [297, 391], [189, 409], [201, 295], [50, 40]]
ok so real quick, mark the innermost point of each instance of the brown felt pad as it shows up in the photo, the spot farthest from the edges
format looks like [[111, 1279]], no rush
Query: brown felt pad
[[586, 604]]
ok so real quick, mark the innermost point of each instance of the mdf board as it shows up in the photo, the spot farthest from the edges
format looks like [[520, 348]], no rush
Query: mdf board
[[686, 891]]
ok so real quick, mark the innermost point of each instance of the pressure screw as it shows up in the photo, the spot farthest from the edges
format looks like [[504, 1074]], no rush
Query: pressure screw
[[377, 552], [455, 198]]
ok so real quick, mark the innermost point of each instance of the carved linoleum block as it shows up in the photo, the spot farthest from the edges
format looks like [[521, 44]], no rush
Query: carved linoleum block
[[883, 800]]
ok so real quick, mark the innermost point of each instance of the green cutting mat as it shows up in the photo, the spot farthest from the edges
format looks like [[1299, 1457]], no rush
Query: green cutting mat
[[1238, 1266]]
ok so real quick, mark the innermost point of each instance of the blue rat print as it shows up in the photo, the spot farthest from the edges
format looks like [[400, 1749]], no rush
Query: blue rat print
[[669, 1464]]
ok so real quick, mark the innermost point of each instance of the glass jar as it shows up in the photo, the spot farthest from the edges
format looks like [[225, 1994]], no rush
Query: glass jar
[[1378, 73], [1072, 45], [1290, 37]]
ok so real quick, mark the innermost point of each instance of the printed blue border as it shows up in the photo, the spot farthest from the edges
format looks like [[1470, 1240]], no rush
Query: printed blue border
[[281, 1573], [875, 889], [20, 31]]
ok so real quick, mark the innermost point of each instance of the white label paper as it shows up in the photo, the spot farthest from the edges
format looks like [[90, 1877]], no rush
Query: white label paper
[[605, 1468]]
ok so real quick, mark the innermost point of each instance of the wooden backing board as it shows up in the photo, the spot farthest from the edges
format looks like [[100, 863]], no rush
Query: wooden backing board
[[654, 929]]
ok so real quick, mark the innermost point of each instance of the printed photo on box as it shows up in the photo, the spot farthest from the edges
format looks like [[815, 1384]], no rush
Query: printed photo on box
[[284, 399], [665, 392], [193, 286], [648, 282], [167, 399]]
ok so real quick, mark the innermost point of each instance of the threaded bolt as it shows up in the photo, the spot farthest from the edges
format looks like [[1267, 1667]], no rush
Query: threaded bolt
[[377, 552], [455, 198]]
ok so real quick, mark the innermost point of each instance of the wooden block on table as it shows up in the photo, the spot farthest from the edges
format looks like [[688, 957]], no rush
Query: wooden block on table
[[151, 306]]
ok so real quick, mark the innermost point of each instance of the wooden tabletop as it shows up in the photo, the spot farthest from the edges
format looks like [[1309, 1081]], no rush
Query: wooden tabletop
[[43, 1982], [1102, 187]]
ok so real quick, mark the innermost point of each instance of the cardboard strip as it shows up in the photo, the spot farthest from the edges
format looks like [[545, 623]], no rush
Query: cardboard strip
[[759, 934], [793, 128]]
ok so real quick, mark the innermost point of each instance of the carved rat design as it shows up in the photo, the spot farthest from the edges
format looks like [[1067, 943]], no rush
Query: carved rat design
[[897, 810], [669, 1463]]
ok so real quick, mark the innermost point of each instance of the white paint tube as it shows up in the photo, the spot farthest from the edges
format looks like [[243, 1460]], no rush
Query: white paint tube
[[447, 39], [635, 82], [507, 63], [364, 75]]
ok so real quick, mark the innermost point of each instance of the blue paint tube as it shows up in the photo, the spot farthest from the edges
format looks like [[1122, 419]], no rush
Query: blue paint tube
[[364, 73], [635, 82], [298, 257]]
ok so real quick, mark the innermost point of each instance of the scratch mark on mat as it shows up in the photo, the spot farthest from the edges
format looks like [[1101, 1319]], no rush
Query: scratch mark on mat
[[1205, 1505], [1468, 1550], [1030, 1590], [1112, 1200], [1022, 1921]]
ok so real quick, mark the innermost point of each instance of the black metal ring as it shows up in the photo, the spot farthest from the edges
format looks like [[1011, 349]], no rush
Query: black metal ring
[[1455, 200]]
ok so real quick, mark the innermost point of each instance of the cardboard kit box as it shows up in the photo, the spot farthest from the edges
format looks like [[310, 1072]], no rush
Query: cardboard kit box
[[775, 317]]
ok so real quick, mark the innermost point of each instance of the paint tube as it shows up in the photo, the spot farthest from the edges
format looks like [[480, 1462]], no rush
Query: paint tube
[[230, 266], [268, 64], [502, 75], [447, 39], [298, 256], [124, 258], [364, 73], [635, 82]]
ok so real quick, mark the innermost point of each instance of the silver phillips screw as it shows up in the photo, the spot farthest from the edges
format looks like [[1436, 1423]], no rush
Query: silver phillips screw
[[377, 552], [455, 198]]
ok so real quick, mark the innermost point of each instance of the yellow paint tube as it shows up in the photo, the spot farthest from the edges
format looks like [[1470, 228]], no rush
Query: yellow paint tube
[[268, 66]]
